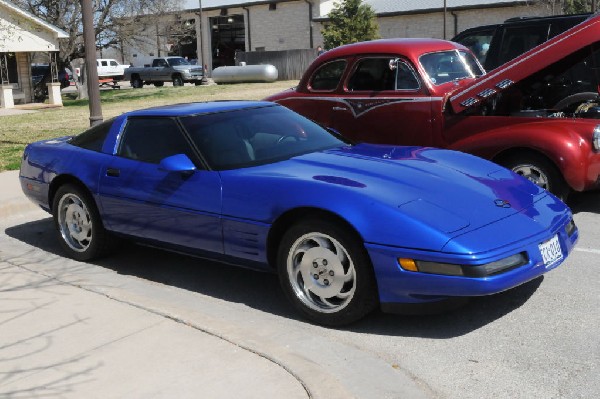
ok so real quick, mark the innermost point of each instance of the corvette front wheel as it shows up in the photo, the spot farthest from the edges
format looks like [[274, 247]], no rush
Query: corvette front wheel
[[77, 220], [326, 273]]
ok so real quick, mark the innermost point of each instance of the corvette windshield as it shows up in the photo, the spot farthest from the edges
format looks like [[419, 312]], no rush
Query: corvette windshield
[[446, 66], [255, 136]]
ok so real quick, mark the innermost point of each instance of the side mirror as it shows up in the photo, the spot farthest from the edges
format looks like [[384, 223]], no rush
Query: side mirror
[[177, 163], [394, 64]]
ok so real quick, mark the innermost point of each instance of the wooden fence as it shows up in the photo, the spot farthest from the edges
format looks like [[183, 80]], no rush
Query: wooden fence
[[290, 64]]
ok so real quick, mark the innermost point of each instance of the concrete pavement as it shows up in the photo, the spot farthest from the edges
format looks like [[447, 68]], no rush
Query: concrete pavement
[[70, 330], [59, 338]]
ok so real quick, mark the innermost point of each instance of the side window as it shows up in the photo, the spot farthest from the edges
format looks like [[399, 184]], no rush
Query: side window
[[372, 74], [478, 42], [152, 140], [104, 63], [382, 73], [517, 40], [113, 63], [327, 78], [405, 77]]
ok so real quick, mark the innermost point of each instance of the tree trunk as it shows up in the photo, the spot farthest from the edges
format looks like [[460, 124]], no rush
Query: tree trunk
[[80, 81]]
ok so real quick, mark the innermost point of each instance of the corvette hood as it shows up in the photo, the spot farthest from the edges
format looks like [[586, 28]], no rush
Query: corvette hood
[[527, 64], [449, 191]]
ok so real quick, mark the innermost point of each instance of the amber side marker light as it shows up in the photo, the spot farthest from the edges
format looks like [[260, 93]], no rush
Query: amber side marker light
[[408, 264]]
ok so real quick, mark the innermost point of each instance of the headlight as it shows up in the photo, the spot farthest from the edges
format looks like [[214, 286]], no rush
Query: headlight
[[450, 269], [596, 138]]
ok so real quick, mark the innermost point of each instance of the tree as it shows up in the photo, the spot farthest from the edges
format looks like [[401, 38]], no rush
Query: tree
[[112, 21], [577, 6], [350, 21], [570, 6]]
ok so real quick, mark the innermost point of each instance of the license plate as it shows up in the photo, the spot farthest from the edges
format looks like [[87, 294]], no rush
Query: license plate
[[551, 252]]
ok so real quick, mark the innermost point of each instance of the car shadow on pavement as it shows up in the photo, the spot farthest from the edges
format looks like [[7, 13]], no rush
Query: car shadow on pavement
[[478, 312], [261, 291]]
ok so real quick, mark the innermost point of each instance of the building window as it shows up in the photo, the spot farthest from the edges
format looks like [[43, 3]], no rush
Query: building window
[[272, 6]]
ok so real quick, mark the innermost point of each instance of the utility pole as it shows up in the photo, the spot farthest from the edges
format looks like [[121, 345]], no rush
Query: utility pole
[[199, 43], [89, 41], [444, 19]]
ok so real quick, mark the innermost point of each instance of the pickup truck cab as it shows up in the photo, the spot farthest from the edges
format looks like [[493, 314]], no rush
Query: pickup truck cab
[[109, 68], [165, 69], [432, 92]]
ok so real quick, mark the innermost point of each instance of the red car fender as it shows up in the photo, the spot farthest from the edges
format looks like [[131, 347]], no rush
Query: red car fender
[[563, 143]]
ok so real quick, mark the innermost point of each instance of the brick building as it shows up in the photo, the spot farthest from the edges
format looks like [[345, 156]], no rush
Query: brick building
[[229, 26]]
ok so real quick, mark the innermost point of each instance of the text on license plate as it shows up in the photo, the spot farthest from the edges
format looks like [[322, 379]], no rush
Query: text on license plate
[[551, 252]]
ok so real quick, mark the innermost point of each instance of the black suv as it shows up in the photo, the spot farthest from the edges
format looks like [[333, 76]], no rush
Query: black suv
[[495, 45]]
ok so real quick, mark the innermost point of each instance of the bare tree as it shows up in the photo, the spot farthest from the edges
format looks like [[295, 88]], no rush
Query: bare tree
[[571, 6], [114, 22]]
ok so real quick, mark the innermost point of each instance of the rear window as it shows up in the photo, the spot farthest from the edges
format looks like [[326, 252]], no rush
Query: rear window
[[93, 138]]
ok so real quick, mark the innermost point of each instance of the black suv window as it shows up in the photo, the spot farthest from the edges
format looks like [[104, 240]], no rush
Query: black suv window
[[478, 42], [517, 40], [153, 139], [327, 78], [93, 138]]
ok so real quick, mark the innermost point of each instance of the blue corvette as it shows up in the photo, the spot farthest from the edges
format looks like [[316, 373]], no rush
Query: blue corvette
[[347, 227]]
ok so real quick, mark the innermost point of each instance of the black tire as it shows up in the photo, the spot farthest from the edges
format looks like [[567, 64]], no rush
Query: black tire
[[136, 82], [159, 84], [81, 232], [539, 170], [326, 273], [177, 80]]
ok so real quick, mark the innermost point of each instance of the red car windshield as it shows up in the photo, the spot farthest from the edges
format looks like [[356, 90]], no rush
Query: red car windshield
[[446, 66]]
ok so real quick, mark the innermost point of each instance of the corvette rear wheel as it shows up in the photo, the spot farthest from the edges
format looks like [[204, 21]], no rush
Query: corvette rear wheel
[[326, 273], [77, 220]]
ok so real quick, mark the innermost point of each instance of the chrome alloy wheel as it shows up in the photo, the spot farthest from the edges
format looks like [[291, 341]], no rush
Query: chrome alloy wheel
[[533, 174], [321, 273], [75, 222]]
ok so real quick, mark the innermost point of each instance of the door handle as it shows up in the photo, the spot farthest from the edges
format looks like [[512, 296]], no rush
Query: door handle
[[112, 172], [339, 109]]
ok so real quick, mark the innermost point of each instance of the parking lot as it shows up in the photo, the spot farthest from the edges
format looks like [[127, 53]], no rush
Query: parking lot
[[536, 341]]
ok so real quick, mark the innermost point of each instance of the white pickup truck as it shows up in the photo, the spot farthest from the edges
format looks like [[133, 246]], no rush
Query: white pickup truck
[[110, 69], [165, 69]]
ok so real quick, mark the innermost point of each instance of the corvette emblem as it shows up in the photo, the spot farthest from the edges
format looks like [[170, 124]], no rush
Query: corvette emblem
[[502, 203]]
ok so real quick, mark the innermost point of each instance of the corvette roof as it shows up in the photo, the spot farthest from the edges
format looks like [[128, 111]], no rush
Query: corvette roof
[[199, 108]]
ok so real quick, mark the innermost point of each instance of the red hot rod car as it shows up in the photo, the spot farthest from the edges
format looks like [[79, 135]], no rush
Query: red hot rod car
[[434, 93]]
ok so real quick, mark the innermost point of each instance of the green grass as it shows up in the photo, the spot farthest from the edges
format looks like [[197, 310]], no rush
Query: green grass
[[17, 131]]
